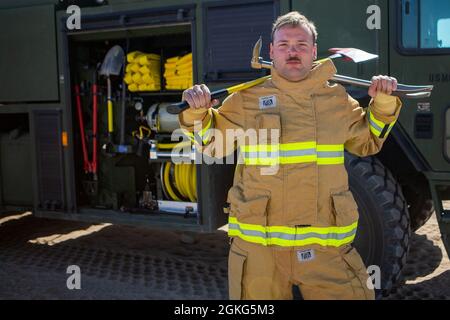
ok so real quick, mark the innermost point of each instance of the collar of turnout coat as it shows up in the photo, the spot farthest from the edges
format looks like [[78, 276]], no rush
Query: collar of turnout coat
[[318, 77]]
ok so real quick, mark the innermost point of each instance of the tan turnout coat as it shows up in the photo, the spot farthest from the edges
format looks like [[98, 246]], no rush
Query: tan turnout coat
[[299, 181]]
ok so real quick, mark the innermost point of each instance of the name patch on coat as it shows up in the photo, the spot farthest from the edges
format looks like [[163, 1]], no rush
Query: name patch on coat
[[305, 255], [267, 102]]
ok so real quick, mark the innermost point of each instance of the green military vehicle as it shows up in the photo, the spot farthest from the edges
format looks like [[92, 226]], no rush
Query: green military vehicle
[[64, 153]]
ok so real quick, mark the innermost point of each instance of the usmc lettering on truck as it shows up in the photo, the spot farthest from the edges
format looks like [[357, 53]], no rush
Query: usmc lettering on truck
[[246, 309]]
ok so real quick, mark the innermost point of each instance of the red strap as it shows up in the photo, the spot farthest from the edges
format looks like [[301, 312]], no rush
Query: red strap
[[81, 124]]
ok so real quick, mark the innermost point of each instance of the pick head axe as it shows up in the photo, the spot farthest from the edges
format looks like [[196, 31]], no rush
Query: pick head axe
[[351, 54], [357, 56]]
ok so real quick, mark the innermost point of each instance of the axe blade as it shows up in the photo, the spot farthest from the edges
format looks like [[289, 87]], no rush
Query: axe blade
[[356, 55]]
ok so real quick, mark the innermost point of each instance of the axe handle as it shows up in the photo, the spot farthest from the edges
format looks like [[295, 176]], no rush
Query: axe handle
[[176, 108], [366, 83], [179, 107], [403, 90]]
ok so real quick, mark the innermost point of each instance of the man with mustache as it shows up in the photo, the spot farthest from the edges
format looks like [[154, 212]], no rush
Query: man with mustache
[[294, 226]]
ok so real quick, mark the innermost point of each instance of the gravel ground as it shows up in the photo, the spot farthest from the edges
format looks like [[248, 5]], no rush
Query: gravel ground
[[122, 262]]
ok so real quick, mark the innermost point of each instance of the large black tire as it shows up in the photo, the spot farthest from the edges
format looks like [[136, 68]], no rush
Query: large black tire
[[384, 230], [420, 208]]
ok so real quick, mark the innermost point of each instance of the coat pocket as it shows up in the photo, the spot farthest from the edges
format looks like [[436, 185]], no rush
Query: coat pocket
[[249, 206], [358, 276], [236, 268], [260, 145], [269, 128], [344, 207]]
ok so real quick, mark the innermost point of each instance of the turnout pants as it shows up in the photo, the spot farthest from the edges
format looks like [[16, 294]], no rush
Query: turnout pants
[[268, 273]]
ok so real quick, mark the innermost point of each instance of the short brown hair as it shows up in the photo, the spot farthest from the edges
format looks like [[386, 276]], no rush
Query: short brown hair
[[294, 19]]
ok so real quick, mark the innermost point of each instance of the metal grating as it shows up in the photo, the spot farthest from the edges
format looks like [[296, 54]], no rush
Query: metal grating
[[232, 30], [423, 126]]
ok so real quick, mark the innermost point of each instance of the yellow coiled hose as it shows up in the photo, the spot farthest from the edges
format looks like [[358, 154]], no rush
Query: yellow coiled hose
[[173, 145], [180, 183]]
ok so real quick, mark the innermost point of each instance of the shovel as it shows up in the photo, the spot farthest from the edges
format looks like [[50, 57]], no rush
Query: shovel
[[111, 66]]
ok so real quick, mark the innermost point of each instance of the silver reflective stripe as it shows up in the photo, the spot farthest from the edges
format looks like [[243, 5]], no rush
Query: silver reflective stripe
[[285, 236], [330, 154], [281, 153], [261, 154], [373, 124], [296, 153]]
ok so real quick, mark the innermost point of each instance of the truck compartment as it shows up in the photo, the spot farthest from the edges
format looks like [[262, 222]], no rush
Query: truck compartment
[[131, 172]]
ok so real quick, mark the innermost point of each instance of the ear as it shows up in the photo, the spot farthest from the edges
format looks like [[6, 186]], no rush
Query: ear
[[271, 51], [315, 51]]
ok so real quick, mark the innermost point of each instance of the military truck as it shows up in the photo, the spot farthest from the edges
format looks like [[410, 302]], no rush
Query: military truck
[[66, 154]]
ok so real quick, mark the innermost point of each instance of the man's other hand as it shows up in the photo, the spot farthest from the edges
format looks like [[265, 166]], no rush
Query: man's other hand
[[383, 84]]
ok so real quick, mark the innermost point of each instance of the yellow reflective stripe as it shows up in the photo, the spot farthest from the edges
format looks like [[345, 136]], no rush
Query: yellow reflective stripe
[[375, 131], [377, 122], [279, 160], [292, 243], [298, 159], [188, 133], [205, 140], [293, 230], [260, 148], [376, 126], [252, 239], [254, 227], [266, 239], [329, 161], [207, 137], [292, 160], [279, 147], [279, 153], [204, 134], [208, 125]]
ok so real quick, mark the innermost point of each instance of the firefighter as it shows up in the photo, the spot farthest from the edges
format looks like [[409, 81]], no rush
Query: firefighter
[[292, 217]]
